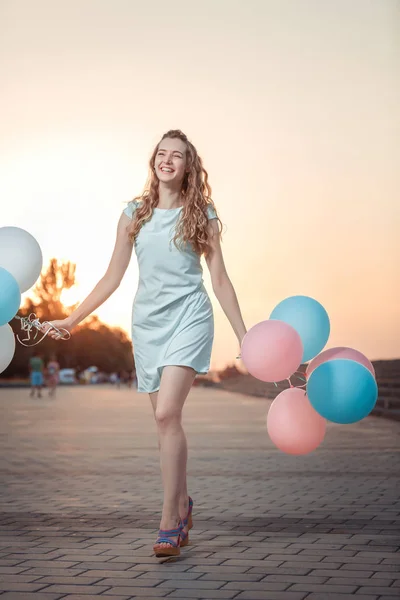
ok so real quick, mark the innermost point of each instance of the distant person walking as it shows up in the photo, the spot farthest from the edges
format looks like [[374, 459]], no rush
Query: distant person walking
[[171, 225], [36, 368], [52, 375], [114, 379]]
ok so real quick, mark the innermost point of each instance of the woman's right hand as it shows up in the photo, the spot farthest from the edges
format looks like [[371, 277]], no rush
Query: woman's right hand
[[60, 324]]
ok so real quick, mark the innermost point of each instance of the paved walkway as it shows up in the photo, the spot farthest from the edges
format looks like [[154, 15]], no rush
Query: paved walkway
[[81, 493]]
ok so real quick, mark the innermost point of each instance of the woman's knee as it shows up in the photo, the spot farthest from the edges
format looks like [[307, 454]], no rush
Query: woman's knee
[[167, 416]]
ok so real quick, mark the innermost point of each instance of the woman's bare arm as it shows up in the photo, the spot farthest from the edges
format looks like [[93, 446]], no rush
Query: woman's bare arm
[[222, 285]]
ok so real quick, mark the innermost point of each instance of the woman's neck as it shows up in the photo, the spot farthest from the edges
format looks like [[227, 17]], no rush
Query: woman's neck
[[168, 198]]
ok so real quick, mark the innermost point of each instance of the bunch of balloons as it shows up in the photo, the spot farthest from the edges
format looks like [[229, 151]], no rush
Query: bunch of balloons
[[20, 266], [340, 382]]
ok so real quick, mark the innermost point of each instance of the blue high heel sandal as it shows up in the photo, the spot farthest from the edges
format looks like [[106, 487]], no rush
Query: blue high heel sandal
[[164, 536]]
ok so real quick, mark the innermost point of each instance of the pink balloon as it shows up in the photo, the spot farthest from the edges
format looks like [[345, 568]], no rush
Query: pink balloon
[[292, 423], [339, 352], [272, 350]]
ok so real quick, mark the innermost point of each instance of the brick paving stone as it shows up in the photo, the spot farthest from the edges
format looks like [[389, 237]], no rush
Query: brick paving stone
[[268, 595], [370, 583], [318, 552], [12, 570], [192, 561], [281, 570], [17, 586], [204, 594], [93, 559], [142, 581], [311, 579], [233, 577], [48, 564], [30, 596], [308, 567], [394, 560], [267, 525], [138, 593], [299, 559], [377, 554], [132, 583], [325, 588], [394, 574], [167, 574], [228, 570], [6, 562], [73, 579], [106, 566], [362, 547], [122, 575], [169, 596], [136, 589], [75, 589], [353, 560], [37, 571], [246, 564], [327, 596], [343, 573], [263, 586], [387, 591], [21, 578], [94, 597], [196, 584], [157, 567]]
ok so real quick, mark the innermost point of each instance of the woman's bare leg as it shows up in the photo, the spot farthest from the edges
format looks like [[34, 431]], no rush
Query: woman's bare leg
[[184, 497], [167, 404]]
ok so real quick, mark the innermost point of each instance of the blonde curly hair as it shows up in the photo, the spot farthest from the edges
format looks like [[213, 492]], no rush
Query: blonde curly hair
[[192, 226]]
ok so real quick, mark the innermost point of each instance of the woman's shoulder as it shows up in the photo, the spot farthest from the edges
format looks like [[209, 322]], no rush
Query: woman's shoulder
[[131, 207], [211, 212]]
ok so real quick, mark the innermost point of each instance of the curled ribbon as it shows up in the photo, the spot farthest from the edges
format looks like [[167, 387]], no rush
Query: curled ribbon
[[28, 323]]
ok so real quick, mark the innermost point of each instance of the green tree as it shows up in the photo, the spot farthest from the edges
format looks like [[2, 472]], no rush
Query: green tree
[[45, 300], [92, 342]]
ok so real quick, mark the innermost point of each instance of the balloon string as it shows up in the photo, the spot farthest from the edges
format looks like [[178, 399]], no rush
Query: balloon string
[[288, 379], [27, 323], [302, 379], [299, 377]]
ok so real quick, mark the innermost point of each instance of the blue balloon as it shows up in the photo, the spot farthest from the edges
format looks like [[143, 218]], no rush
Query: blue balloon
[[342, 390], [309, 318], [10, 296]]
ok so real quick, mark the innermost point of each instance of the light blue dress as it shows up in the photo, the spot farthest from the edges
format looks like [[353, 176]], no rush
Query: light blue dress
[[172, 315]]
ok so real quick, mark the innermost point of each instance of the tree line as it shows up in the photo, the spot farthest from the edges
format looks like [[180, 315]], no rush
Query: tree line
[[92, 342]]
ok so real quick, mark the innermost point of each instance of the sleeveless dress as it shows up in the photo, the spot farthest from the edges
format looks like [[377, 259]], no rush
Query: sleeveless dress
[[172, 315]]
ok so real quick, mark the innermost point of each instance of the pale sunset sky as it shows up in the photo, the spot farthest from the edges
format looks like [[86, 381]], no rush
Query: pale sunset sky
[[293, 106]]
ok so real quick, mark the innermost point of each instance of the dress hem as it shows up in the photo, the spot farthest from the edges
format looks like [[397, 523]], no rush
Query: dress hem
[[174, 364]]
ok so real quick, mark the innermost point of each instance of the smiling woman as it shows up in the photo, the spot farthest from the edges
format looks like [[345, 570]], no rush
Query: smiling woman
[[170, 160], [170, 225], [176, 166]]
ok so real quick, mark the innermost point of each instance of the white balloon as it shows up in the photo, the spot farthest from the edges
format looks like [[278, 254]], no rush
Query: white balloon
[[21, 255], [7, 346]]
